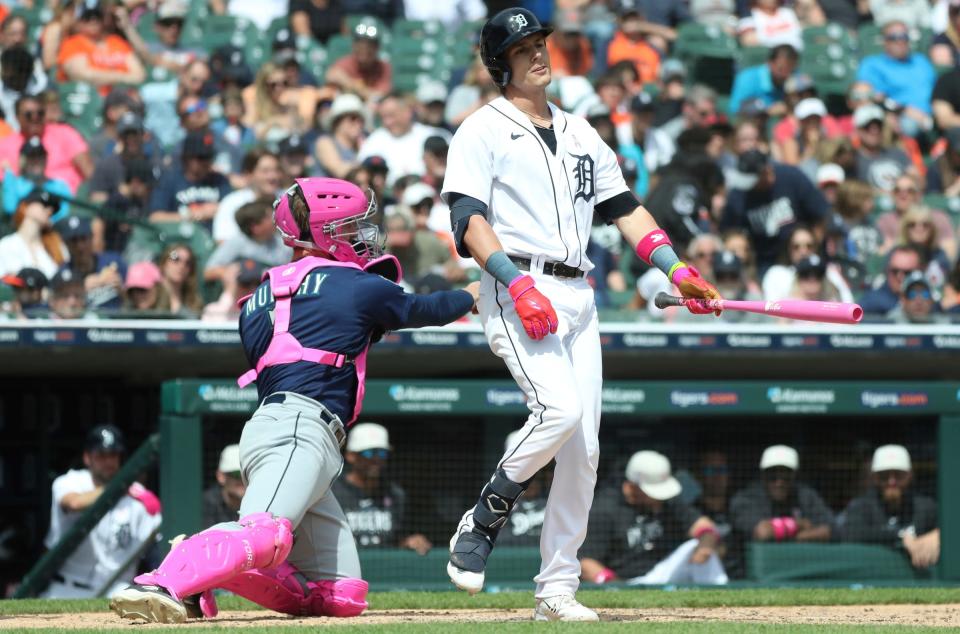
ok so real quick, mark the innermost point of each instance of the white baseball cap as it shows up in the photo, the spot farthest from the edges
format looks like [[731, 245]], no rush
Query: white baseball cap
[[650, 471], [365, 436], [416, 193], [830, 173], [866, 113], [891, 458], [344, 104], [229, 459], [431, 91], [810, 107], [779, 456]]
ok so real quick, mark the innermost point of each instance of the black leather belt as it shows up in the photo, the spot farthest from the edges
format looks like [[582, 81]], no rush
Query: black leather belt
[[62, 579], [334, 423], [556, 269]]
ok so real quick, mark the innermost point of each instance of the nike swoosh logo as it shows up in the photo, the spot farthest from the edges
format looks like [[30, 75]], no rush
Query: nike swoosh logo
[[514, 137]]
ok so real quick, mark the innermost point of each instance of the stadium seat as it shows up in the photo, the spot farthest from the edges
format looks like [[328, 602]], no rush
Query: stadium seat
[[709, 55], [418, 28], [831, 67], [869, 39], [831, 33], [215, 31], [314, 59], [82, 107], [748, 56], [338, 46], [145, 26]]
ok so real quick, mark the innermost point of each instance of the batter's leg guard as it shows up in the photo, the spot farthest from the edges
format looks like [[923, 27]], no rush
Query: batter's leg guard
[[210, 558], [284, 589], [468, 557]]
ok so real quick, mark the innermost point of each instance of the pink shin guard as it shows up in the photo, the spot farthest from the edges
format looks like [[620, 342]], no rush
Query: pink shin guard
[[282, 589], [210, 558]]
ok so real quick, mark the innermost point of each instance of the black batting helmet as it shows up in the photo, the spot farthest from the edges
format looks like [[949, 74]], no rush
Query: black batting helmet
[[500, 33]]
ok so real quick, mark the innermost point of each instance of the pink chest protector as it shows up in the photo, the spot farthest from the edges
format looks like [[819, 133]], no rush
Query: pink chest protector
[[284, 348]]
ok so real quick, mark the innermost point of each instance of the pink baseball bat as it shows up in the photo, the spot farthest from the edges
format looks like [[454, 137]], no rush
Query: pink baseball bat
[[828, 312]]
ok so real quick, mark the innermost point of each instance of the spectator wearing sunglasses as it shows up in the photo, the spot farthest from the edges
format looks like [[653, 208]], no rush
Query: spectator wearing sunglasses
[[918, 302], [901, 75], [67, 155], [376, 508], [901, 261], [907, 195], [891, 513], [776, 508], [221, 501], [164, 50]]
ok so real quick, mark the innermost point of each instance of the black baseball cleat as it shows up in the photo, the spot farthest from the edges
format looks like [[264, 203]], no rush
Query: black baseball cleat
[[468, 560], [192, 605], [151, 603]]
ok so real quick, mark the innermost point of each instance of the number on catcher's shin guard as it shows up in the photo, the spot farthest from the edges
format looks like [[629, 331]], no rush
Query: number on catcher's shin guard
[[210, 558]]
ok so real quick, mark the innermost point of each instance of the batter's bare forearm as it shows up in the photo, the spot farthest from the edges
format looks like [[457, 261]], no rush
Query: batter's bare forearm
[[635, 225], [480, 240]]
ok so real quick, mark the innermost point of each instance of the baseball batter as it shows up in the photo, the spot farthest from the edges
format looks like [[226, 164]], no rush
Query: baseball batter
[[523, 182], [306, 331]]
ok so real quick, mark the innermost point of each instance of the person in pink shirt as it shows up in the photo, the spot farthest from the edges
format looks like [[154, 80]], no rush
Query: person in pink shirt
[[68, 158]]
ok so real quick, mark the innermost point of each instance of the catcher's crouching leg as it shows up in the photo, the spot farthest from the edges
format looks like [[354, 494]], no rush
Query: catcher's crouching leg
[[284, 589], [209, 558]]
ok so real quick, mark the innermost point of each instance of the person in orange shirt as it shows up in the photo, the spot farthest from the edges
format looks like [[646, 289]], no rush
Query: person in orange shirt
[[630, 44], [569, 50], [95, 56]]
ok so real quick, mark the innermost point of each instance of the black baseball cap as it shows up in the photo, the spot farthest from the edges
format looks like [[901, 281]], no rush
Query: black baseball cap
[[29, 278], [33, 147], [726, 263], [436, 145], [63, 279], [293, 144], [129, 122], [376, 163], [38, 195], [73, 227], [198, 144], [251, 272], [811, 264], [106, 439], [641, 102]]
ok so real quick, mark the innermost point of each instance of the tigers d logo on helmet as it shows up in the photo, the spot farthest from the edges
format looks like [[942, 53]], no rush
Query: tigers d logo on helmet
[[517, 22]]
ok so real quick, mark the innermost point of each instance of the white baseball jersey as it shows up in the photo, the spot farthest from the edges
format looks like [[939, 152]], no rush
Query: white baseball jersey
[[114, 539], [539, 204]]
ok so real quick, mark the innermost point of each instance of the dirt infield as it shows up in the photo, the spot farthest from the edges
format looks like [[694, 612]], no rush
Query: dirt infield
[[927, 615]]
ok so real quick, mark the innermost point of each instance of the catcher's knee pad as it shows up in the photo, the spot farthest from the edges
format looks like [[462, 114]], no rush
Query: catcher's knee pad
[[284, 589], [209, 558], [497, 500]]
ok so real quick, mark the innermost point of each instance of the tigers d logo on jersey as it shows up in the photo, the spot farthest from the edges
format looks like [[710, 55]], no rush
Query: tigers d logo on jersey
[[517, 22], [584, 175]]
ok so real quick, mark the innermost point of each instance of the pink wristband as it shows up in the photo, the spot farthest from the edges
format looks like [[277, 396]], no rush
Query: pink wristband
[[519, 286], [790, 526], [604, 576], [651, 242], [705, 530], [779, 531]]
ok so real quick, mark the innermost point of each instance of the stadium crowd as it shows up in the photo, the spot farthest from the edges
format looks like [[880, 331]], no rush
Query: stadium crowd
[[802, 149]]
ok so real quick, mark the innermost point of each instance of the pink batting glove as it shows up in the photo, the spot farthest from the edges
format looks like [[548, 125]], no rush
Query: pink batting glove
[[534, 309]]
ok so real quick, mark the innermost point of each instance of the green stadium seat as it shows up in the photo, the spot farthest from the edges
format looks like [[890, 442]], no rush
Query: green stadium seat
[[870, 40], [215, 31], [82, 107], [270, 32], [709, 55], [145, 26], [338, 46], [748, 56], [158, 74], [314, 60], [418, 28], [831, 33], [698, 40]]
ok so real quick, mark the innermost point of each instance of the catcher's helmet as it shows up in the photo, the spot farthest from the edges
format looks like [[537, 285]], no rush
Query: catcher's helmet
[[500, 33]]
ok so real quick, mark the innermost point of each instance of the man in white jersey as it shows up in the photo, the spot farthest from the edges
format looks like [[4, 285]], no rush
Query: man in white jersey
[[118, 535], [523, 181]]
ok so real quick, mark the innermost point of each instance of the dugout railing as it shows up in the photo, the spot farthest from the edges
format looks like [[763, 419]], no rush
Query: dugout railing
[[198, 413]]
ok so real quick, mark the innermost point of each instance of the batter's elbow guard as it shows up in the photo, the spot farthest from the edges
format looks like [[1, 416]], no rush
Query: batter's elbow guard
[[461, 209]]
